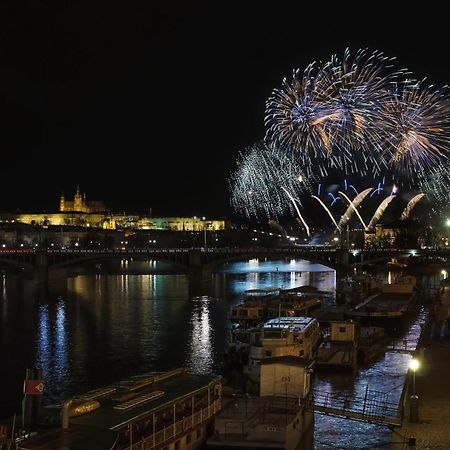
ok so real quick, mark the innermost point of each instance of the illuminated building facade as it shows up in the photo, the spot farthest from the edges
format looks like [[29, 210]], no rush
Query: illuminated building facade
[[82, 213], [80, 204]]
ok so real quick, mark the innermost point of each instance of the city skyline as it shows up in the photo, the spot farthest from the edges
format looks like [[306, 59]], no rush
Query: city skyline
[[150, 108]]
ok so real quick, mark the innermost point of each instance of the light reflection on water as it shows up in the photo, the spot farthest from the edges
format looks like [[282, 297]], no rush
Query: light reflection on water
[[112, 326], [200, 355], [386, 375]]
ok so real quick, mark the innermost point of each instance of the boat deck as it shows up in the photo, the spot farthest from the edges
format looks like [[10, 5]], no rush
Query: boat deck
[[120, 404]]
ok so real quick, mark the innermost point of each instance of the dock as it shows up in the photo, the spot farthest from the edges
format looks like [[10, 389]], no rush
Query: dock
[[430, 431]]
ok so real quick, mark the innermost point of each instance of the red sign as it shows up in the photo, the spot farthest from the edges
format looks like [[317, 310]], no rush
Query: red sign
[[3, 431], [33, 387]]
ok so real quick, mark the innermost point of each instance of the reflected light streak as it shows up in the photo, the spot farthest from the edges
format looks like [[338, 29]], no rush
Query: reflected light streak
[[60, 352], [43, 345], [293, 280], [200, 351]]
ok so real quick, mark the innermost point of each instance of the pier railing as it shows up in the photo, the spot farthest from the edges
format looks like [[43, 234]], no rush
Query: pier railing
[[373, 406], [177, 429]]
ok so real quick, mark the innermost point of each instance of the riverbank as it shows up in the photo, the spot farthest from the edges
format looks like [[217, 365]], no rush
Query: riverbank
[[431, 430]]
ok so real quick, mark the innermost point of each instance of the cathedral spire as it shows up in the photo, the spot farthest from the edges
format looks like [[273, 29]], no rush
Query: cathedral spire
[[62, 202]]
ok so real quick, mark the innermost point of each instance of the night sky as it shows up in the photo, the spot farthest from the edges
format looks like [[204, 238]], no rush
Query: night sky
[[148, 106]]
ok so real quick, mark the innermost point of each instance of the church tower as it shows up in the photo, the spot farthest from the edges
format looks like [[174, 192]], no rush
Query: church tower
[[62, 203], [78, 201]]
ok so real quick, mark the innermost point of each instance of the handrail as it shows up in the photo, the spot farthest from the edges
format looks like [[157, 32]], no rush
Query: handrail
[[177, 428]]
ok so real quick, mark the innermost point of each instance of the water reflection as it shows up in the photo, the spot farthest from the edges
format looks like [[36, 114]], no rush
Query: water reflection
[[52, 346], [200, 358], [113, 326], [387, 376]]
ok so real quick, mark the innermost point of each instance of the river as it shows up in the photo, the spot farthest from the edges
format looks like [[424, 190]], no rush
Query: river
[[109, 326]]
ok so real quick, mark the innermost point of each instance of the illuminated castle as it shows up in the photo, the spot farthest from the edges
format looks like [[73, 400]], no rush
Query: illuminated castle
[[80, 204]]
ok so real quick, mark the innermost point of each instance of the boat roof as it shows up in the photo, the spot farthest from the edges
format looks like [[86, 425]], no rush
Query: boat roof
[[126, 402], [265, 291], [289, 323], [305, 288]]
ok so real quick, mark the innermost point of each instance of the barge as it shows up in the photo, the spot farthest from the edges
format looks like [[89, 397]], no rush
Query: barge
[[168, 410]]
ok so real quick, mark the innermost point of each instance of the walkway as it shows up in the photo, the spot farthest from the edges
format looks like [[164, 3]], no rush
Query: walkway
[[433, 388], [373, 407]]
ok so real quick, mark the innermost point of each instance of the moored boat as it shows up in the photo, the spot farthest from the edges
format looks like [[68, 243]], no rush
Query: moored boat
[[393, 302], [151, 411], [260, 305], [282, 336], [347, 344], [276, 419]]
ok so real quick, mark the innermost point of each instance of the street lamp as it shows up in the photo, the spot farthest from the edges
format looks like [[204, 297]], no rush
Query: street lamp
[[414, 399]]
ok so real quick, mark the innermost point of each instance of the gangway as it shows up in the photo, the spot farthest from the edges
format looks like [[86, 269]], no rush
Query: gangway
[[373, 406]]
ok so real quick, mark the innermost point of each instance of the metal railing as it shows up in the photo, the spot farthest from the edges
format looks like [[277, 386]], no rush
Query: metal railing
[[177, 429], [373, 407]]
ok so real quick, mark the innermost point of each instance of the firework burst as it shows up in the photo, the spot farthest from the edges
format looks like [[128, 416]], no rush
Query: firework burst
[[417, 138], [267, 182], [329, 114]]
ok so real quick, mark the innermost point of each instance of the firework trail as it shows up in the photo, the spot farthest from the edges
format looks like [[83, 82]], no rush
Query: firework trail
[[352, 207], [377, 190], [352, 113], [379, 212], [334, 198], [417, 131], [298, 211], [327, 210], [409, 207], [256, 185]]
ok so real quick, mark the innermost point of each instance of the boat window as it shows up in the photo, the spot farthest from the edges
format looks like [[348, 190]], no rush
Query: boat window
[[341, 329], [268, 353]]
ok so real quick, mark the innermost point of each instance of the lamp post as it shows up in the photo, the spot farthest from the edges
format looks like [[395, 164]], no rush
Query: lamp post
[[414, 399]]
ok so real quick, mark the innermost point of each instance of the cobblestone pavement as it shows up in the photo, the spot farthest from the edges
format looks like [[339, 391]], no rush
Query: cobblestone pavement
[[432, 431]]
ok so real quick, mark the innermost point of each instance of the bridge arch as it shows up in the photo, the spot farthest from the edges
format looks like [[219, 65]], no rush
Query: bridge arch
[[213, 264], [117, 256], [17, 263]]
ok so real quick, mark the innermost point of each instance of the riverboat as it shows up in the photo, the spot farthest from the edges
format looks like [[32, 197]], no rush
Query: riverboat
[[346, 344], [282, 336], [393, 302], [276, 419], [260, 305], [172, 409]]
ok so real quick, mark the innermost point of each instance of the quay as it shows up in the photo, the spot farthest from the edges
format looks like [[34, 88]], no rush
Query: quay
[[428, 428]]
